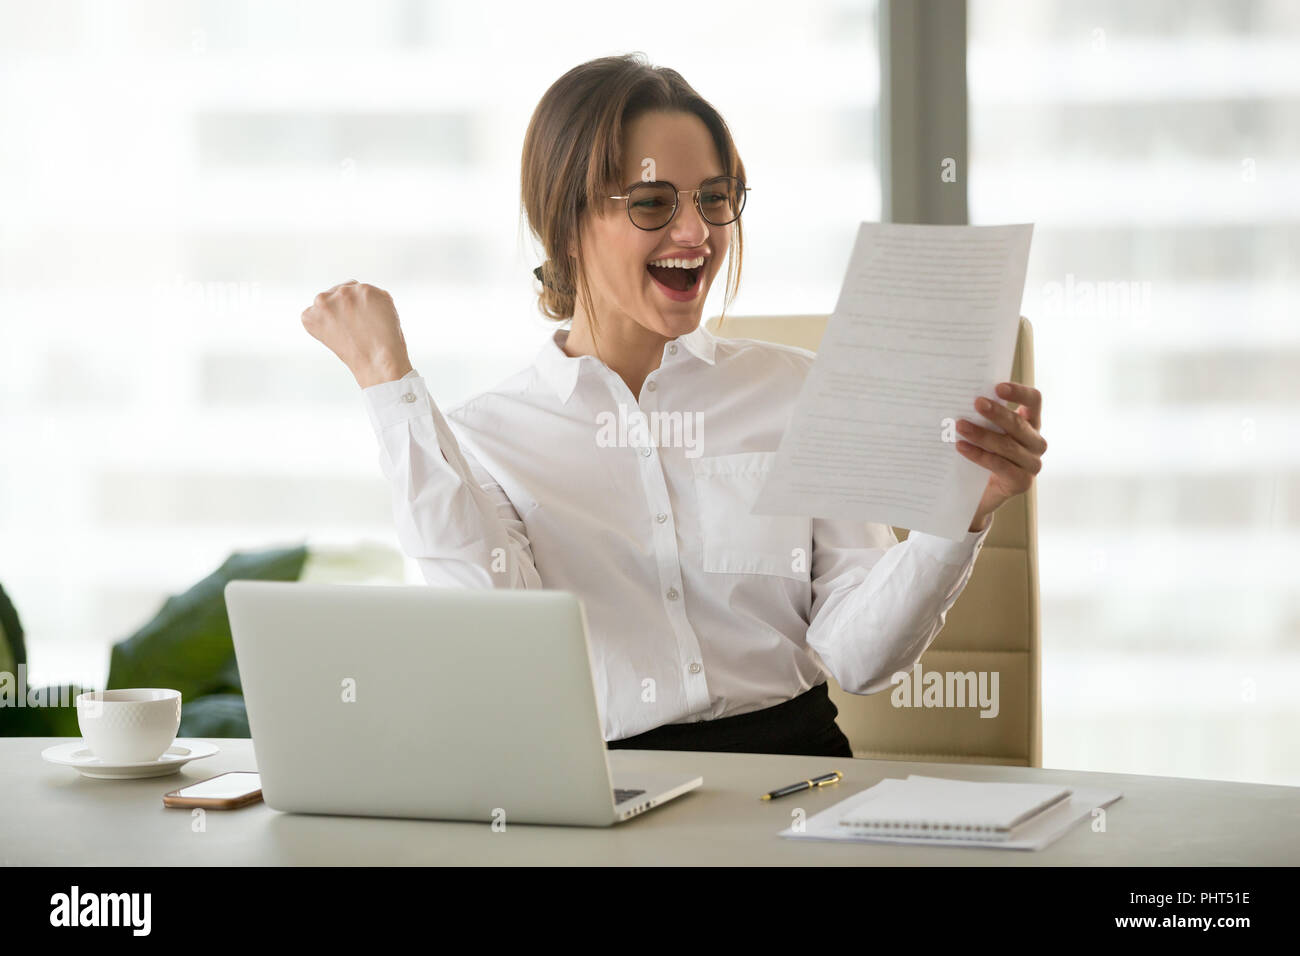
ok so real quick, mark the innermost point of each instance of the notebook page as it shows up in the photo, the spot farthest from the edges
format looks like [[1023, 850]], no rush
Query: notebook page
[[1034, 834], [947, 807], [926, 321]]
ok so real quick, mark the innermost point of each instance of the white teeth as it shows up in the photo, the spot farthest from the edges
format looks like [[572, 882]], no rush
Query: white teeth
[[679, 263]]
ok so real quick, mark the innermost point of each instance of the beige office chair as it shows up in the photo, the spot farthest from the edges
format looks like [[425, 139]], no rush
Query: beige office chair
[[993, 626]]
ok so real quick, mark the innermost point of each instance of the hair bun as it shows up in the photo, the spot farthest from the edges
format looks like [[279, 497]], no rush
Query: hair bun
[[554, 287]]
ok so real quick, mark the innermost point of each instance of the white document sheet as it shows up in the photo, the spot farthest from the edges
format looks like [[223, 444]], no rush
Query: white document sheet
[[926, 321], [1042, 831]]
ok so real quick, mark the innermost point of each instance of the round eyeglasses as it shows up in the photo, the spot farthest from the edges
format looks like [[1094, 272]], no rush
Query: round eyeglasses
[[652, 205]]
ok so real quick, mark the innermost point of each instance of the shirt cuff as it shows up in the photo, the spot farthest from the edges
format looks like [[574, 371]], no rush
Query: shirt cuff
[[948, 551], [391, 402]]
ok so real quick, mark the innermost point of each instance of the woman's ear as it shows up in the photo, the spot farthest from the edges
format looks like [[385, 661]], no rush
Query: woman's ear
[[576, 237]]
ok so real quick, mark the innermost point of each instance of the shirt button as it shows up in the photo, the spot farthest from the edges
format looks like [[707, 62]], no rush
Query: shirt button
[[672, 349], [672, 594], [694, 668], [645, 452], [661, 517], [651, 386], [408, 397]]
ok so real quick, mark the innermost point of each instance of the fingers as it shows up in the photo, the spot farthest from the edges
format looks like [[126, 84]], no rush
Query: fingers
[[334, 288], [1028, 396], [1014, 423], [321, 297], [1001, 446], [1016, 478]]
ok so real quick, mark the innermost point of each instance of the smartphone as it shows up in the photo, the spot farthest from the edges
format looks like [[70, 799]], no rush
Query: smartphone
[[225, 791]]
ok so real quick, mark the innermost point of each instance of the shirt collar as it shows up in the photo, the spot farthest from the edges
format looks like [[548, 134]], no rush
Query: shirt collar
[[701, 343], [561, 370]]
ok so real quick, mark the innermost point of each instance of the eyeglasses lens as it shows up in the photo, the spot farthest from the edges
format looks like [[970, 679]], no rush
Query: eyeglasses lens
[[651, 204]]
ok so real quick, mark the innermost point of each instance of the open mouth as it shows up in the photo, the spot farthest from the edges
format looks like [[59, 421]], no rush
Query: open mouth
[[678, 277]]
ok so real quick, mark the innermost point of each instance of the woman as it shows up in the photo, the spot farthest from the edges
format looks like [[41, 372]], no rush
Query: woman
[[621, 464]]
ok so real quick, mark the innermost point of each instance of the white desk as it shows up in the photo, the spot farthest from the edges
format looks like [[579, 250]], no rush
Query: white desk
[[54, 816]]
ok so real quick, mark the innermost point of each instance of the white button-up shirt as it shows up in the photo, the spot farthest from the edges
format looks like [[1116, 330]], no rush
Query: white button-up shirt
[[561, 478]]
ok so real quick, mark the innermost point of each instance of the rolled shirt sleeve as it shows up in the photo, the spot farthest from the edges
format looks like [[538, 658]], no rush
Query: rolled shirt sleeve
[[878, 603]]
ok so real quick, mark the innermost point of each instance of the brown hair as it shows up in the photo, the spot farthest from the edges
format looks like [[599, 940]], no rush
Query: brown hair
[[572, 159]]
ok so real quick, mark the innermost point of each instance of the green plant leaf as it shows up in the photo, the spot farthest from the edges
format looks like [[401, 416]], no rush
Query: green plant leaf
[[7, 663], [43, 721], [12, 650], [187, 646], [216, 715]]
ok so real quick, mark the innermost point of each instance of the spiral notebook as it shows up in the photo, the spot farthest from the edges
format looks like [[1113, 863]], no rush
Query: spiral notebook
[[940, 808], [1037, 831]]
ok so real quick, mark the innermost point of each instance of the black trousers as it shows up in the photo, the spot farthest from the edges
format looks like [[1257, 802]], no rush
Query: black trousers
[[804, 725]]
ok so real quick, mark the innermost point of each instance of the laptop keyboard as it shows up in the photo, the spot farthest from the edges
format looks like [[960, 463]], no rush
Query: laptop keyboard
[[621, 795]]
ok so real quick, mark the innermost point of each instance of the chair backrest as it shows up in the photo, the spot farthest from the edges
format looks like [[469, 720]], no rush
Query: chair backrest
[[992, 628]]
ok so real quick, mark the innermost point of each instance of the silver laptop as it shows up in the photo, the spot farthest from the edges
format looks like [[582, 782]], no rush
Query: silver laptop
[[434, 703]]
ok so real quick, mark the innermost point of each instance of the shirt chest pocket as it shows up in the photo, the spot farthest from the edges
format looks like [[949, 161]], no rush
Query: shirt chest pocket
[[737, 542]]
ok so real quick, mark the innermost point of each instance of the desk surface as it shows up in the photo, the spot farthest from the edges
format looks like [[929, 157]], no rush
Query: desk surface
[[51, 815]]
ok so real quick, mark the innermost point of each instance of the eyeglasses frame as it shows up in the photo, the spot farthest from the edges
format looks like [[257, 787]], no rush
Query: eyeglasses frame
[[677, 201]]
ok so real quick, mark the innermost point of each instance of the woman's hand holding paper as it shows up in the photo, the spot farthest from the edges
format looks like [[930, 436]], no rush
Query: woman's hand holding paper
[[1013, 458]]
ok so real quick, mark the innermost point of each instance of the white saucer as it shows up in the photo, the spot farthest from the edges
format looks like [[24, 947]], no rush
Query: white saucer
[[77, 754]]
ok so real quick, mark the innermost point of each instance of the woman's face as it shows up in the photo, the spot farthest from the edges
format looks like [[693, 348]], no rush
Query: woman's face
[[618, 254]]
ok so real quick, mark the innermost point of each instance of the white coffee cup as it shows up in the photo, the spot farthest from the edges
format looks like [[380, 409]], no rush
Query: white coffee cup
[[131, 725]]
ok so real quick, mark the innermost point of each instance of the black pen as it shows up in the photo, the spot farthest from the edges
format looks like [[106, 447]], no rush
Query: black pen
[[833, 777]]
